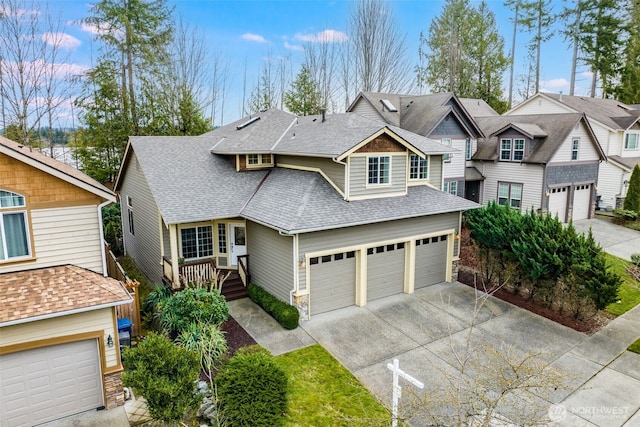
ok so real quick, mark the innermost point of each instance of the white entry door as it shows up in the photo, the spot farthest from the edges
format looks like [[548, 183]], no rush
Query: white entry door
[[238, 242]]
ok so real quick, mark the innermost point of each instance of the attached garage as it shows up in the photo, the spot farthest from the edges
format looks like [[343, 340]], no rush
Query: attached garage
[[48, 383], [385, 270], [558, 199], [333, 281], [581, 202], [431, 261]]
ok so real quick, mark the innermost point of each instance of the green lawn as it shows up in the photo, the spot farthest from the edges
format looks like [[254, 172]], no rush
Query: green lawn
[[629, 294], [322, 392], [635, 347]]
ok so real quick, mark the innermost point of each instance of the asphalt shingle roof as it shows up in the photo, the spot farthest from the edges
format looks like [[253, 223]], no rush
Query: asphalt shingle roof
[[300, 201], [56, 290], [628, 162], [478, 107], [556, 126]]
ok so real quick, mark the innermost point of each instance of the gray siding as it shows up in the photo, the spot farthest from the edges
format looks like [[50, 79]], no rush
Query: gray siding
[[364, 108], [166, 240], [399, 230], [270, 260], [358, 176], [435, 174], [333, 170], [448, 129], [144, 246], [569, 174]]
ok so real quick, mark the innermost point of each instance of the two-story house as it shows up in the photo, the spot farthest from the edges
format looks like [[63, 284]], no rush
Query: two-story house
[[545, 162], [442, 117], [617, 127], [323, 212], [58, 332]]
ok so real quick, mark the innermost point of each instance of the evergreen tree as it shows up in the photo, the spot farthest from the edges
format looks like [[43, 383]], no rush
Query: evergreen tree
[[632, 200], [629, 89], [537, 17], [304, 97]]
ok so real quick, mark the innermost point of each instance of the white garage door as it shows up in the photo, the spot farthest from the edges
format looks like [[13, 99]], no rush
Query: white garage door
[[558, 203], [581, 202], [385, 271], [48, 383], [431, 261], [333, 282]]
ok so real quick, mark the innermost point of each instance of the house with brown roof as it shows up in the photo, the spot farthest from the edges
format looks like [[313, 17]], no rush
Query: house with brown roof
[[324, 212], [58, 324], [617, 127], [548, 163]]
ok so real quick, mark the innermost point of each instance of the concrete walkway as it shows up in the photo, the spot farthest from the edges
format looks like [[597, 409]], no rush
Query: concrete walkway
[[422, 330], [614, 239]]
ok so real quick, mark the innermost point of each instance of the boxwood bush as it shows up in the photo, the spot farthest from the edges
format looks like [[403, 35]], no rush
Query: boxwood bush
[[252, 389], [286, 314]]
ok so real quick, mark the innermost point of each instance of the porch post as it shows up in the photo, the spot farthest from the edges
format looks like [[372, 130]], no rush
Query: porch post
[[410, 266], [175, 267]]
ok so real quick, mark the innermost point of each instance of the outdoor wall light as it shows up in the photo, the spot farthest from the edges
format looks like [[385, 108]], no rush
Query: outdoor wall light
[[547, 193], [109, 341]]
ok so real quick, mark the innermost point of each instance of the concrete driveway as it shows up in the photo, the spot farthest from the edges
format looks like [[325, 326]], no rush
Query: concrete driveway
[[614, 239], [429, 332]]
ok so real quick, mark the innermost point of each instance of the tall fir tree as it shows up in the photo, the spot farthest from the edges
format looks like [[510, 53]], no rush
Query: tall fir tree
[[632, 200], [629, 89], [304, 98]]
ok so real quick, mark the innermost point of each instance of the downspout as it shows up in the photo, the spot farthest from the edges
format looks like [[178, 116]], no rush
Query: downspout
[[102, 250], [346, 177]]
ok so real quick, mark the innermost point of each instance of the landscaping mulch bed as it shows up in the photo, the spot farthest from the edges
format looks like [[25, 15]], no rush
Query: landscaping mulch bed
[[236, 336], [589, 326]]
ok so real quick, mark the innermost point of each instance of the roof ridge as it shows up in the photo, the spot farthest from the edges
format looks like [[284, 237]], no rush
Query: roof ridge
[[295, 119]]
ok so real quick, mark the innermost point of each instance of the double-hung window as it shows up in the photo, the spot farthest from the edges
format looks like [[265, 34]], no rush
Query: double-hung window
[[450, 187], [446, 157], [575, 146], [510, 194], [14, 233], [467, 149], [130, 215], [518, 149], [505, 149], [197, 242], [379, 170], [418, 167], [631, 141]]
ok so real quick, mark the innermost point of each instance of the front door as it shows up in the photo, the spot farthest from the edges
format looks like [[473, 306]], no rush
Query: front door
[[238, 242]]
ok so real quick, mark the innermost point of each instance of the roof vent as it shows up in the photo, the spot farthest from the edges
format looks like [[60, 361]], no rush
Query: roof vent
[[388, 105], [560, 98], [248, 122]]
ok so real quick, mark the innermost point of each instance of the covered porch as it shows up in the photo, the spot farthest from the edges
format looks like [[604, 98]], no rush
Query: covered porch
[[206, 252]]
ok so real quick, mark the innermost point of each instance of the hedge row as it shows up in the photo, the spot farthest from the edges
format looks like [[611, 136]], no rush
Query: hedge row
[[286, 314]]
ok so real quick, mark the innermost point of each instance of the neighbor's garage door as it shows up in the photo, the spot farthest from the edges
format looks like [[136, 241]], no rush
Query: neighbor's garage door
[[558, 203], [581, 202], [431, 261], [333, 282], [385, 271], [48, 383]]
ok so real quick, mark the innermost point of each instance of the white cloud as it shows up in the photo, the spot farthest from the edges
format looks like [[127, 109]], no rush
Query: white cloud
[[554, 84], [61, 40], [101, 29], [7, 11], [295, 47], [60, 70], [326, 36], [253, 37]]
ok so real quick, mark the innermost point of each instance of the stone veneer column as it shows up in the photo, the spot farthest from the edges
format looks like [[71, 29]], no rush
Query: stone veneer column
[[113, 390]]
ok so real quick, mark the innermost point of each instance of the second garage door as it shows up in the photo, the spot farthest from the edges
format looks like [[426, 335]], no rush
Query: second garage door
[[385, 271], [48, 383], [431, 261], [581, 202], [333, 282]]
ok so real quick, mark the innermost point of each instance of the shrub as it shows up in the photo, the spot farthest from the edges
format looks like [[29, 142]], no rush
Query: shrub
[[208, 341], [193, 306], [252, 389], [152, 307], [285, 314], [632, 200], [164, 374], [626, 215]]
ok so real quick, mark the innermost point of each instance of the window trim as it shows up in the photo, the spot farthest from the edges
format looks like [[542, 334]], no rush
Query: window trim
[[518, 150], [575, 148], [510, 198], [505, 150], [368, 166], [637, 141], [446, 186], [130, 219], [467, 149], [421, 167], [196, 226], [12, 210], [260, 163], [446, 158]]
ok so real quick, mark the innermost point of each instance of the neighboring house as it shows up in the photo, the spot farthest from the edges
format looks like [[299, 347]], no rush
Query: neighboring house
[[442, 117], [545, 162], [59, 351], [617, 127], [330, 212]]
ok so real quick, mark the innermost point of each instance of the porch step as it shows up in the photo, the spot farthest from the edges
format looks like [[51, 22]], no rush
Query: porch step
[[233, 288]]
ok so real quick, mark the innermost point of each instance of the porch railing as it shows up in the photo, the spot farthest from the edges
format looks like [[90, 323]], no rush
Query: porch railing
[[196, 271], [243, 268]]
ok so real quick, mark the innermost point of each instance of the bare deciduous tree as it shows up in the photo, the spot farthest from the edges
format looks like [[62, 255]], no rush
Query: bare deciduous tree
[[377, 50], [322, 61]]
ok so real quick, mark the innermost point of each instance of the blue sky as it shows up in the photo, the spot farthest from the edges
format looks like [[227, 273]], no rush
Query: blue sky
[[248, 30]]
